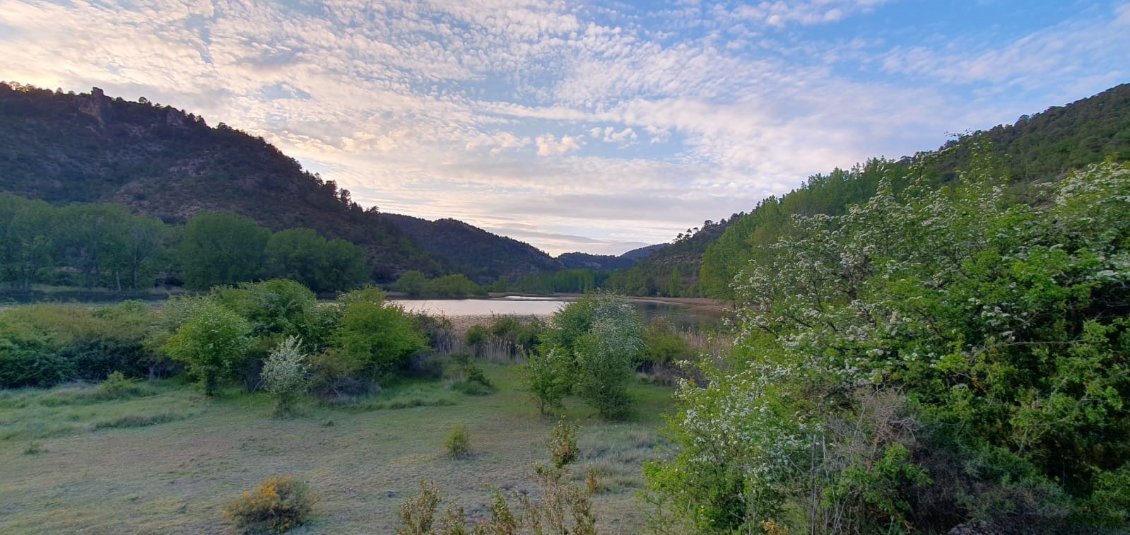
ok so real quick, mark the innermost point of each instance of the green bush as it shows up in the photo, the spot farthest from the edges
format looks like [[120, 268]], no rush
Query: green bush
[[43, 345], [212, 343], [276, 506], [458, 442], [376, 336]]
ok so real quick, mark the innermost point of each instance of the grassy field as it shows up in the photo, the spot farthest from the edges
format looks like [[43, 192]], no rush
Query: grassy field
[[166, 460]]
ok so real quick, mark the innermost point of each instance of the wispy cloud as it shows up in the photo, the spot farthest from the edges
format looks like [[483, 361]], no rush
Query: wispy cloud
[[573, 125]]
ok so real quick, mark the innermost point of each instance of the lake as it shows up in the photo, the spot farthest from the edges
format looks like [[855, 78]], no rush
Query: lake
[[681, 315]]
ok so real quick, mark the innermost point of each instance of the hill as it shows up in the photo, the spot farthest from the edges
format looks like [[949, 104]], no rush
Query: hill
[[1035, 148], [163, 162], [470, 250]]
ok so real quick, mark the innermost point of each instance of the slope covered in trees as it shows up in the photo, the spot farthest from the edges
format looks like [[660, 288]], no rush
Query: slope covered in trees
[[1036, 148], [470, 250]]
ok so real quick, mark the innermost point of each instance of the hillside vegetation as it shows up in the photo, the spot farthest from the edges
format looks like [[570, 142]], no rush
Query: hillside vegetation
[[1037, 148]]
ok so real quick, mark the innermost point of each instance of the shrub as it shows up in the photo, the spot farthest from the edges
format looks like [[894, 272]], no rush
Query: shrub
[[43, 345], [563, 444], [474, 381], [377, 336], [458, 442], [418, 514], [212, 343], [548, 378], [117, 386], [591, 348], [276, 506], [285, 374]]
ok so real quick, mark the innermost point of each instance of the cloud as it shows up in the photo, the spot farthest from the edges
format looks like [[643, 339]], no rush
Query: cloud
[[595, 125], [548, 145]]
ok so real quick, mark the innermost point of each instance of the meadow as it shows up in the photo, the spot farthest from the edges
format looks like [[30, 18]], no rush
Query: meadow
[[166, 459]]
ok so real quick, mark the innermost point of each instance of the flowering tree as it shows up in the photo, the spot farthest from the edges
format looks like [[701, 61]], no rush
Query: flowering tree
[[212, 342], [285, 374]]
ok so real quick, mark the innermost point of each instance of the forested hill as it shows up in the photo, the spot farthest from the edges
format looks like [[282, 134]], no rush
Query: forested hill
[[1036, 148], [164, 162], [479, 254]]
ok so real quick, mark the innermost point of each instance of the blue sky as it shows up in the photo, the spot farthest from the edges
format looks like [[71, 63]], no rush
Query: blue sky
[[591, 126]]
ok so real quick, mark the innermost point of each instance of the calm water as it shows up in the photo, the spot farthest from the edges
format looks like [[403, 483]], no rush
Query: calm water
[[506, 306], [680, 315]]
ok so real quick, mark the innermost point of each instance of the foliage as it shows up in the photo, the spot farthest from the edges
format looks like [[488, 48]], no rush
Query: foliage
[[418, 514], [1036, 148], [1003, 325], [42, 345], [274, 308], [212, 343], [564, 281], [278, 505], [473, 381], [412, 282], [663, 345], [458, 442], [600, 335], [301, 254], [375, 335], [457, 285], [285, 374], [221, 248], [563, 444], [548, 378]]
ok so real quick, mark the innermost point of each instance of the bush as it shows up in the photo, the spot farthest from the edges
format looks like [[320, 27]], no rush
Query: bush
[[212, 343], [378, 337], [563, 444], [418, 514], [285, 374], [474, 382], [43, 345], [117, 386], [279, 504], [548, 378], [458, 442]]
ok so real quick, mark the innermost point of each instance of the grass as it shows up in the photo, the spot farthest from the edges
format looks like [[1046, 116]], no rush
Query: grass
[[170, 460]]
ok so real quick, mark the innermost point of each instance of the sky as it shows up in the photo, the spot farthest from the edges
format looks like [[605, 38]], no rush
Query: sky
[[579, 126]]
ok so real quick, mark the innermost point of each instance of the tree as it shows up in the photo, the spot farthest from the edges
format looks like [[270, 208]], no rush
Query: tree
[[592, 344], [297, 254], [412, 283], [212, 343], [220, 248], [345, 266], [374, 335]]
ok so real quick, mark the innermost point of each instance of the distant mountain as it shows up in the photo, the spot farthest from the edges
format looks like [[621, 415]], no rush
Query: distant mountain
[[473, 251], [607, 262], [164, 162]]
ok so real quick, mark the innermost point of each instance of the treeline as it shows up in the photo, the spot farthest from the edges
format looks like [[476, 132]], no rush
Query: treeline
[[103, 245], [417, 284], [564, 281]]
